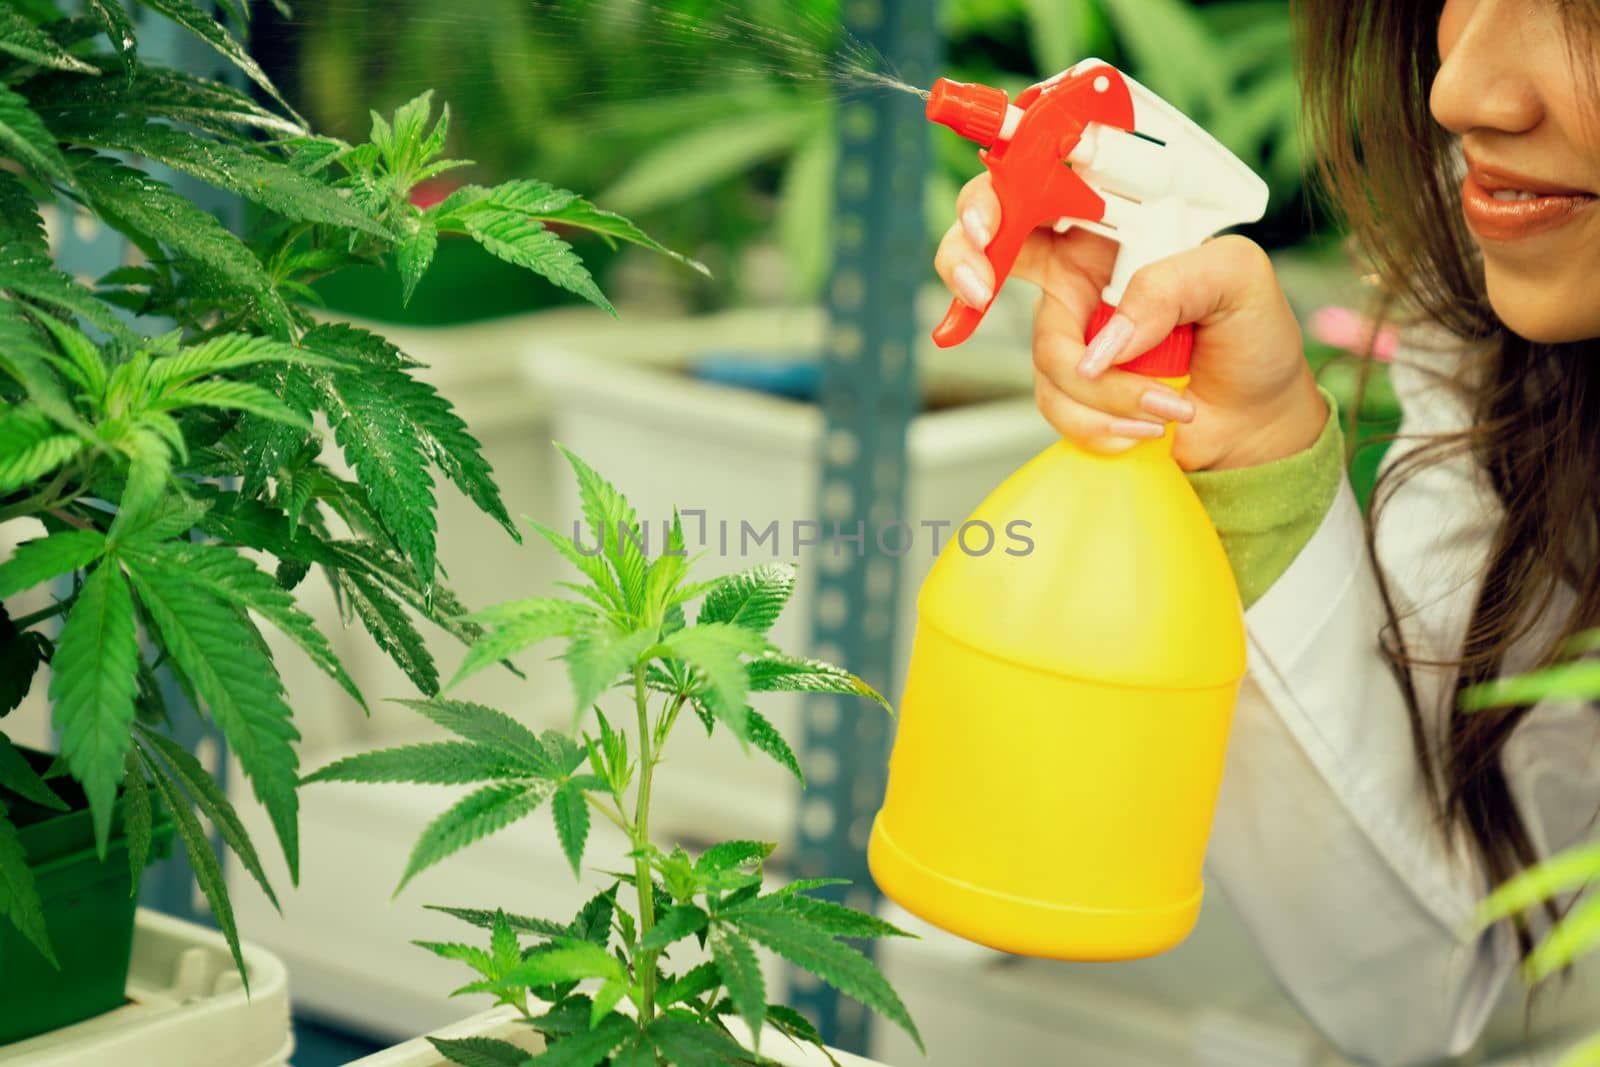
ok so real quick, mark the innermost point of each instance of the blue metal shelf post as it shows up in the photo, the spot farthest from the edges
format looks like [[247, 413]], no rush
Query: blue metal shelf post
[[869, 395]]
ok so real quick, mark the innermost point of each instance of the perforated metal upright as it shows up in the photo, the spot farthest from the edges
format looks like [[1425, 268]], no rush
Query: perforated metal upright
[[87, 249], [869, 395]]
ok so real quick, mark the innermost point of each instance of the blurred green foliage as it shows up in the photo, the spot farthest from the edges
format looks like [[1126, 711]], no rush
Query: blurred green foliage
[[713, 121]]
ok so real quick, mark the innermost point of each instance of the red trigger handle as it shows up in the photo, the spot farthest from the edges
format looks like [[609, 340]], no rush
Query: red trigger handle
[[1034, 185], [1169, 359]]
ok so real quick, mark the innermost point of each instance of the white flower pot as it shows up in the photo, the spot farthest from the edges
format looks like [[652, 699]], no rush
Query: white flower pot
[[502, 1024], [186, 1008]]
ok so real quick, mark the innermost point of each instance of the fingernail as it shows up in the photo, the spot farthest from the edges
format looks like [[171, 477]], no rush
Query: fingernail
[[1165, 404], [971, 287], [1137, 429], [977, 229], [1105, 347]]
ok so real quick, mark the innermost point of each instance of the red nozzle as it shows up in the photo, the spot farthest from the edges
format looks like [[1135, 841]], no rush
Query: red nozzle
[[976, 112]]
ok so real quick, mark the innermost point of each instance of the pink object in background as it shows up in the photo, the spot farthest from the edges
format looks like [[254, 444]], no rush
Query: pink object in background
[[428, 193], [1352, 331]]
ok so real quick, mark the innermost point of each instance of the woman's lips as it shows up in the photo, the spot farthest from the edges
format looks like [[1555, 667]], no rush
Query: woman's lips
[[1535, 210]]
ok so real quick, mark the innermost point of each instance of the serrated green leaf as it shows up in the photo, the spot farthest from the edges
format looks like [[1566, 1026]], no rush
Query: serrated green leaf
[[18, 775], [31, 447], [235, 578], [591, 564], [151, 214], [138, 819], [164, 755], [442, 434], [484, 726], [429, 763], [637, 1052], [473, 956], [517, 239], [616, 528], [517, 627], [476, 816], [482, 917], [595, 661], [752, 599], [228, 352], [504, 945], [21, 655], [113, 17], [149, 471], [792, 1024], [569, 960], [207, 871], [170, 95], [541, 201], [821, 915], [571, 813], [698, 980], [21, 38], [479, 1051], [94, 674], [278, 188], [741, 973], [415, 252], [22, 229], [593, 921], [766, 738], [675, 924], [26, 274], [585, 1049], [776, 672], [35, 562], [223, 657], [715, 651], [733, 855], [24, 137], [607, 997], [213, 33], [19, 893], [377, 440], [386, 621], [232, 396], [687, 1040], [839, 965]]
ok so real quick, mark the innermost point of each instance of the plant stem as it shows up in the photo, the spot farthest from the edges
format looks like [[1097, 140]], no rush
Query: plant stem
[[57, 608], [644, 882]]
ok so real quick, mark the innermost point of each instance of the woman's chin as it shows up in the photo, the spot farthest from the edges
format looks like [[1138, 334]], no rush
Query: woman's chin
[[1544, 312]]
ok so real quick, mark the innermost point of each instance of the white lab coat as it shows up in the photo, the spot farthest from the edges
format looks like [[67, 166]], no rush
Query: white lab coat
[[1323, 837]]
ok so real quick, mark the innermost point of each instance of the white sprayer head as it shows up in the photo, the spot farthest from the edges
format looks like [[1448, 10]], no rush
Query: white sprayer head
[[1167, 188]]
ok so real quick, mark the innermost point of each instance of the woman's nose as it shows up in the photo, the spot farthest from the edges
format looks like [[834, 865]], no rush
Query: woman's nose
[[1485, 80]]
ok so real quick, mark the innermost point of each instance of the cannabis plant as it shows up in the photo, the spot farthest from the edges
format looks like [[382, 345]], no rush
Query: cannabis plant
[[1577, 932], [159, 423], [600, 988]]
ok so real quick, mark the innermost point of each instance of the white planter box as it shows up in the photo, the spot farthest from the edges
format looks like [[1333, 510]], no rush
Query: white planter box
[[502, 1024], [186, 1008]]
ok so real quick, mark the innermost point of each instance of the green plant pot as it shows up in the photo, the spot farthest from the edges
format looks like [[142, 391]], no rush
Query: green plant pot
[[88, 910]]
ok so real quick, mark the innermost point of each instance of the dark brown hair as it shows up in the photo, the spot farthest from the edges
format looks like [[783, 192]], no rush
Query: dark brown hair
[[1368, 66]]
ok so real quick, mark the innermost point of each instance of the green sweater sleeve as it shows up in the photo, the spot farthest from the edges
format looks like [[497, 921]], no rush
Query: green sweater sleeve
[[1266, 514]]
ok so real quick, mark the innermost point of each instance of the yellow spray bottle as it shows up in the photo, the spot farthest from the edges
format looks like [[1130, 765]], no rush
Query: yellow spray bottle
[[1066, 714]]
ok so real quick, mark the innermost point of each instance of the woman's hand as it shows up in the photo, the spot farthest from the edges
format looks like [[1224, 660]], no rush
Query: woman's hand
[[1251, 396]]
